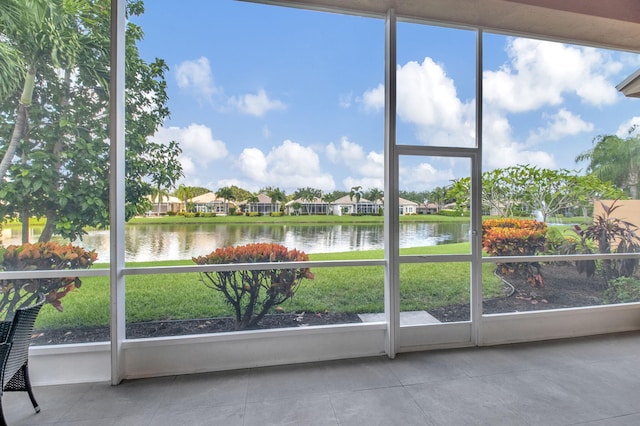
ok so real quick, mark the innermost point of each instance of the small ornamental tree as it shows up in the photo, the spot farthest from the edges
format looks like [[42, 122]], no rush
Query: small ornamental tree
[[15, 293], [515, 237], [253, 293]]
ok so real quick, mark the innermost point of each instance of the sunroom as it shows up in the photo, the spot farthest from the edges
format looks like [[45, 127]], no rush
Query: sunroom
[[415, 99]]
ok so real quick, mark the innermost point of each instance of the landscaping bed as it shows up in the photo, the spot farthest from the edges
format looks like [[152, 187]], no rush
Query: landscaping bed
[[563, 288], [186, 327]]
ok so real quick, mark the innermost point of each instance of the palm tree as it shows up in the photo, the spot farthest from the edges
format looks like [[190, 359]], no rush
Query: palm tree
[[159, 194], [356, 192], [226, 194], [185, 193], [307, 194], [252, 200], [438, 195], [329, 199], [40, 32], [276, 195], [617, 160], [375, 194]]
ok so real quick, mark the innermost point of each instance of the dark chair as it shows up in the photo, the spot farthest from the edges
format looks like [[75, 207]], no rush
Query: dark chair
[[15, 336]]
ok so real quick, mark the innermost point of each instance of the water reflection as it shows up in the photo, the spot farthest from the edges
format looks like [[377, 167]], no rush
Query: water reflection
[[178, 241]]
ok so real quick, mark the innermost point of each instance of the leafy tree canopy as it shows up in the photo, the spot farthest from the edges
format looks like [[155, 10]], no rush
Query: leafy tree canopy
[[415, 196], [54, 134], [307, 193], [529, 188]]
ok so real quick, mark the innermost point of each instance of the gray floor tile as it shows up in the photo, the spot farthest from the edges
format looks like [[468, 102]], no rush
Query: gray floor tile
[[228, 415], [590, 381], [386, 406], [352, 375], [425, 367], [285, 382], [209, 389], [541, 398], [464, 401], [626, 420], [307, 410]]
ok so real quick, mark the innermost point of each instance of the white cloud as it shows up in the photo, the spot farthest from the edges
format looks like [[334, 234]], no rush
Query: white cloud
[[563, 123], [347, 153], [352, 155], [539, 73], [373, 99], [188, 168], [288, 166], [195, 77], [625, 127], [365, 182], [256, 105], [427, 99], [423, 175], [426, 96], [367, 169], [199, 147], [253, 163], [235, 182], [501, 150]]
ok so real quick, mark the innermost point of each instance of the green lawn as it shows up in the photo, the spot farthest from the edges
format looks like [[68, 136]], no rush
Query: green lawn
[[346, 289]]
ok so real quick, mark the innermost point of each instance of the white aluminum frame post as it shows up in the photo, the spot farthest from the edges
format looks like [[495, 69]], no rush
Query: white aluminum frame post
[[117, 187]]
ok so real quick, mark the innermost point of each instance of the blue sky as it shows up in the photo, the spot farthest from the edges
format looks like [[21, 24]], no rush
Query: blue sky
[[272, 96]]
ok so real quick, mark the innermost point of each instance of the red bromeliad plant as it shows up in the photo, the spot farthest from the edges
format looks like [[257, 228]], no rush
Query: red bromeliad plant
[[50, 256], [252, 293], [515, 237]]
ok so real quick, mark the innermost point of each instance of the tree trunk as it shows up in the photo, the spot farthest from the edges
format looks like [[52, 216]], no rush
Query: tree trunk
[[20, 128], [633, 182], [24, 219], [49, 227]]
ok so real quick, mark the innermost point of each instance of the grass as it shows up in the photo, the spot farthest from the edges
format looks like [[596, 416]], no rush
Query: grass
[[344, 289]]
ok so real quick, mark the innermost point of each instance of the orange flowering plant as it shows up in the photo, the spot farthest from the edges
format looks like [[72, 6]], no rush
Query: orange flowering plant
[[252, 293], [15, 293]]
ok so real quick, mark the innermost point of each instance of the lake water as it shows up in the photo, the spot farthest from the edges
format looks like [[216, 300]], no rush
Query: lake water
[[168, 242]]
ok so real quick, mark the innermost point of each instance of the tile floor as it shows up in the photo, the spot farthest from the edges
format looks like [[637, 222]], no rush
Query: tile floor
[[586, 381]]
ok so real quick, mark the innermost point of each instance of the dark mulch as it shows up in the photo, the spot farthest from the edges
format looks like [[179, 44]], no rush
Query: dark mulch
[[564, 288], [185, 327]]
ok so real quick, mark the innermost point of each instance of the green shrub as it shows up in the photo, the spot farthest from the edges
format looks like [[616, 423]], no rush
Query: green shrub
[[555, 240], [171, 213], [252, 294], [254, 214], [276, 214], [453, 213], [623, 290]]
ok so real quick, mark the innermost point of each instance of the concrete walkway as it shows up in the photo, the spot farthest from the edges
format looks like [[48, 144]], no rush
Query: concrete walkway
[[587, 381]]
